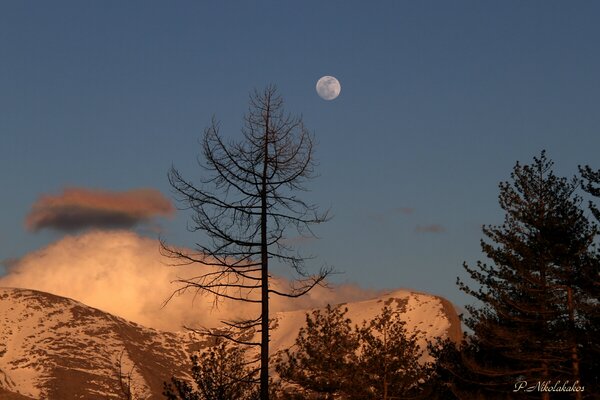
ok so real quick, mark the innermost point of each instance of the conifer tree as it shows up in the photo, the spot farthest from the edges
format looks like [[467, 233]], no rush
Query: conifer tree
[[323, 361], [533, 294], [388, 359], [591, 184], [591, 350], [220, 372], [448, 374], [330, 359]]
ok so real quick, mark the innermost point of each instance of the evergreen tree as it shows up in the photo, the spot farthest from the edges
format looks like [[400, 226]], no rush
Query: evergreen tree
[[591, 350], [220, 373], [533, 296], [388, 359], [323, 362], [591, 184], [379, 360]]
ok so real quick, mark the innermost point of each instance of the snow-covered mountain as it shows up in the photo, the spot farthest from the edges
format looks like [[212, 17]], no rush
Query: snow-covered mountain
[[56, 348], [52, 347], [430, 316]]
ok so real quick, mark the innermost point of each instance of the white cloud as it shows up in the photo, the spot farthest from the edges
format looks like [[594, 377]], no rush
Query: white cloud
[[123, 273]]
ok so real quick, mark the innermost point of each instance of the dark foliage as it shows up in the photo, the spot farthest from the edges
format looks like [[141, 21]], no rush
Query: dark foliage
[[591, 348], [323, 362], [379, 360], [535, 298], [388, 362], [591, 184], [219, 373]]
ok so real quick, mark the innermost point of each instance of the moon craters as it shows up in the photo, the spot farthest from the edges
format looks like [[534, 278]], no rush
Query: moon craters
[[328, 87]]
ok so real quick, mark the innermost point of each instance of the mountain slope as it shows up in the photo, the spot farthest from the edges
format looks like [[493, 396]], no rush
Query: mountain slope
[[56, 348], [430, 316]]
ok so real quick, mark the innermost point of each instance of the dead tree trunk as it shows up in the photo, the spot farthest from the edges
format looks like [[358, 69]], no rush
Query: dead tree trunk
[[245, 205]]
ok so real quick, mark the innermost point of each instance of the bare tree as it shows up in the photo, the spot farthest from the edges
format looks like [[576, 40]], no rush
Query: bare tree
[[245, 206]]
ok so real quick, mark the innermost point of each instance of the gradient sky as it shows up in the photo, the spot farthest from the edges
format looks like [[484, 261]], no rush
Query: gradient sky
[[439, 100]]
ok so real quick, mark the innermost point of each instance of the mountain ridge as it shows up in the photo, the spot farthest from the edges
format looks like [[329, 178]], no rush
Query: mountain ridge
[[53, 347]]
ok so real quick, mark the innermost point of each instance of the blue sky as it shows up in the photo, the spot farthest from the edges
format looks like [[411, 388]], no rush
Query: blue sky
[[439, 100]]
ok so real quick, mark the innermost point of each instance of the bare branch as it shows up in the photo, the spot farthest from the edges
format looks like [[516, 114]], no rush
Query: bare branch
[[246, 205]]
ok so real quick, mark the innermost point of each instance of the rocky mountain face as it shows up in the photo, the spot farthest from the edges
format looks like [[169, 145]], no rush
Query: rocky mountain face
[[56, 348]]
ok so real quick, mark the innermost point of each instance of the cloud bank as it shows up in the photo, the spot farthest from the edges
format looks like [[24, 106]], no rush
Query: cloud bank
[[123, 273], [78, 208]]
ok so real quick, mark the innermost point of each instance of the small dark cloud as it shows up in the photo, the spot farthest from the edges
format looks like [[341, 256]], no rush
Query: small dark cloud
[[405, 210], [433, 228], [385, 215], [77, 208]]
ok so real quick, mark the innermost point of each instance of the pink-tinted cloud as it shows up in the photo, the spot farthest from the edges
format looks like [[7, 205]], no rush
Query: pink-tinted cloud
[[78, 208], [123, 273], [433, 228], [405, 210]]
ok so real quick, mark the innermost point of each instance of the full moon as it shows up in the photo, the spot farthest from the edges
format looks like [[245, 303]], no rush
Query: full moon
[[328, 87]]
